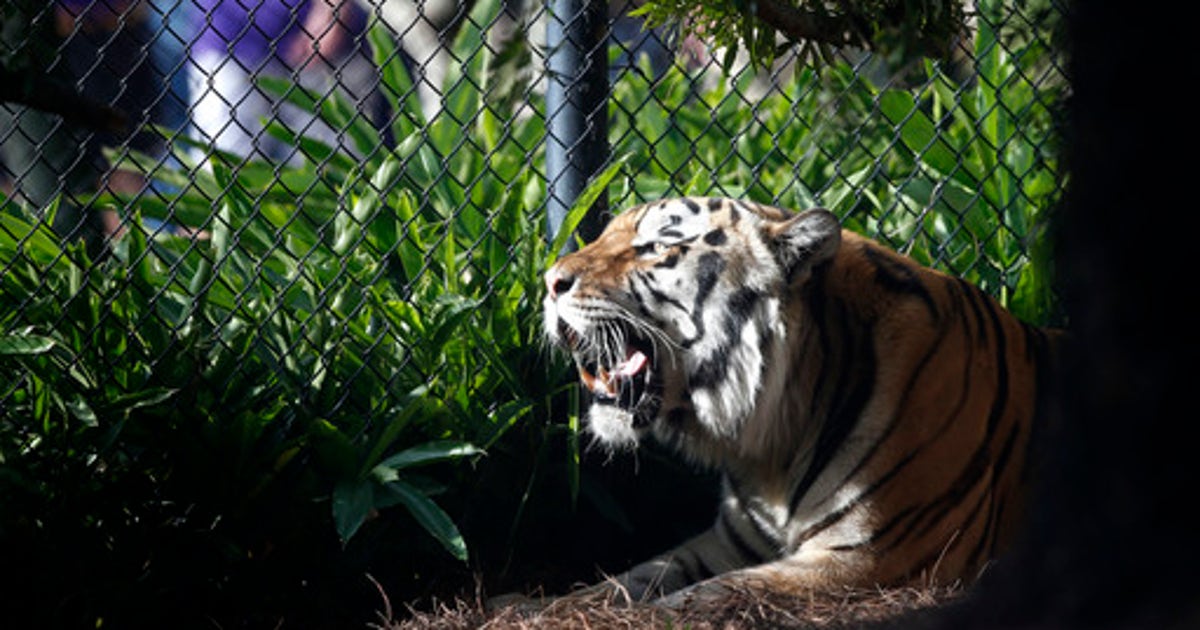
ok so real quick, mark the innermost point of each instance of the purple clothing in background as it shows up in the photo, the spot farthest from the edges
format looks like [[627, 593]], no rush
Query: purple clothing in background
[[252, 30]]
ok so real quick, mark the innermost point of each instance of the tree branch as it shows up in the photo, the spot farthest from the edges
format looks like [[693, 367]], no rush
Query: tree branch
[[39, 91], [799, 25]]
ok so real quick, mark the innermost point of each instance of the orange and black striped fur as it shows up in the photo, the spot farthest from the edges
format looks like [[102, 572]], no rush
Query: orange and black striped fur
[[871, 417]]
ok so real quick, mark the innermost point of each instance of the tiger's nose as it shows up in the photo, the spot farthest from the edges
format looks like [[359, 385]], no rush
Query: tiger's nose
[[558, 282]]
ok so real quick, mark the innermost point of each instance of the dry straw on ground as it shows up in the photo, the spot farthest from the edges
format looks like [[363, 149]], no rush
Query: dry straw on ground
[[837, 609]]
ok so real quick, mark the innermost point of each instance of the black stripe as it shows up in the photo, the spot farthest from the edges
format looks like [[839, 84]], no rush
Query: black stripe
[[715, 238], [637, 295], [708, 271], [971, 295], [1000, 512], [651, 314], [980, 461], [970, 477], [819, 316], [938, 553], [659, 295], [692, 205], [1000, 404], [971, 474], [837, 515], [985, 498], [747, 554], [715, 203], [914, 382], [701, 570], [678, 416], [713, 369], [898, 278], [669, 262], [1006, 451], [930, 514], [772, 539], [669, 233], [987, 542], [882, 530], [947, 423], [856, 382]]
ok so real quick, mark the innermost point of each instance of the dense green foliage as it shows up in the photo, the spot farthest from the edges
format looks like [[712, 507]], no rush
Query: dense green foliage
[[345, 375], [958, 176]]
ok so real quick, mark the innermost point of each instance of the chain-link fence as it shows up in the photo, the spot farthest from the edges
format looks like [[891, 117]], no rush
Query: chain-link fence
[[105, 92], [332, 215], [316, 162]]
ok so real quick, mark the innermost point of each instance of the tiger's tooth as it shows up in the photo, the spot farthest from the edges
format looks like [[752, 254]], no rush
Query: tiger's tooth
[[589, 380], [609, 384], [602, 383]]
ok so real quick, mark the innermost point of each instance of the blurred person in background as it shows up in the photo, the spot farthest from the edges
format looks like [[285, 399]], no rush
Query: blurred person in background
[[320, 44], [91, 86]]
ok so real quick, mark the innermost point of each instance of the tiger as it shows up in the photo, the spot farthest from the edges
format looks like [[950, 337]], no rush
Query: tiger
[[871, 419]]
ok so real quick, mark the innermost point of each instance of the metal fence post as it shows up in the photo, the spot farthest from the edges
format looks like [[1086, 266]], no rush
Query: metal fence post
[[576, 109]]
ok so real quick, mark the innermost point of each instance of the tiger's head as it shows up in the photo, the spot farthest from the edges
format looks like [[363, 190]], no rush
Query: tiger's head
[[674, 313]]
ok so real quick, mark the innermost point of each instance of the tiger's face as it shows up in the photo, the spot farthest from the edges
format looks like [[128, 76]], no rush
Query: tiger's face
[[674, 313]]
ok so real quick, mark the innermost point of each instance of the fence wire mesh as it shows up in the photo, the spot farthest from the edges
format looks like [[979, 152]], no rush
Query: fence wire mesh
[[351, 196]]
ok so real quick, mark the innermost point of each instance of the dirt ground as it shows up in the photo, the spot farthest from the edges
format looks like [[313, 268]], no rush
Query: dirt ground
[[841, 609]]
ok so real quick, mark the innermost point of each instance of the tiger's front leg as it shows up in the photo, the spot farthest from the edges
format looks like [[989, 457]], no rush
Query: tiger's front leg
[[696, 560], [700, 558], [711, 567], [794, 575]]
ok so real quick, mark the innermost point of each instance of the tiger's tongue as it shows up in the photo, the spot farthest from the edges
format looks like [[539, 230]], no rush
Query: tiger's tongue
[[606, 383], [634, 361]]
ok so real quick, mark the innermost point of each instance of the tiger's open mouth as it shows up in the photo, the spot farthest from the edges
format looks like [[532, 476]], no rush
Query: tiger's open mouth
[[629, 383]]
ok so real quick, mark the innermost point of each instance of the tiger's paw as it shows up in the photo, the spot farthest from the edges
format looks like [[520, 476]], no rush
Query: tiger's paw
[[705, 594]]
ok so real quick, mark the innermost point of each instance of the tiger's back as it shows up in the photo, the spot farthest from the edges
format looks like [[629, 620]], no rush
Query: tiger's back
[[872, 417], [929, 413]]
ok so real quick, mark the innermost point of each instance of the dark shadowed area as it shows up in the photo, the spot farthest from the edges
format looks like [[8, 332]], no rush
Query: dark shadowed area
[[1113, 541]]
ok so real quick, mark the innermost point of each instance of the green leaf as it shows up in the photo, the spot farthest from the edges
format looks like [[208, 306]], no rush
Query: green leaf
[[333, 449], [352, 503], [456, 311], [429, 453], [398, 87], [431, 517], [506, 416], [81, 410], [918, 132], [410, 404], [25, 344], [382, 225], [580, 208], [573, 444], [143, 398], [494, 359], [37, 237]]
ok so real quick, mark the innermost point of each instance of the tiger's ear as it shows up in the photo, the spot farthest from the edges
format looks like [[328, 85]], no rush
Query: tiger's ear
[[804, 241]]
